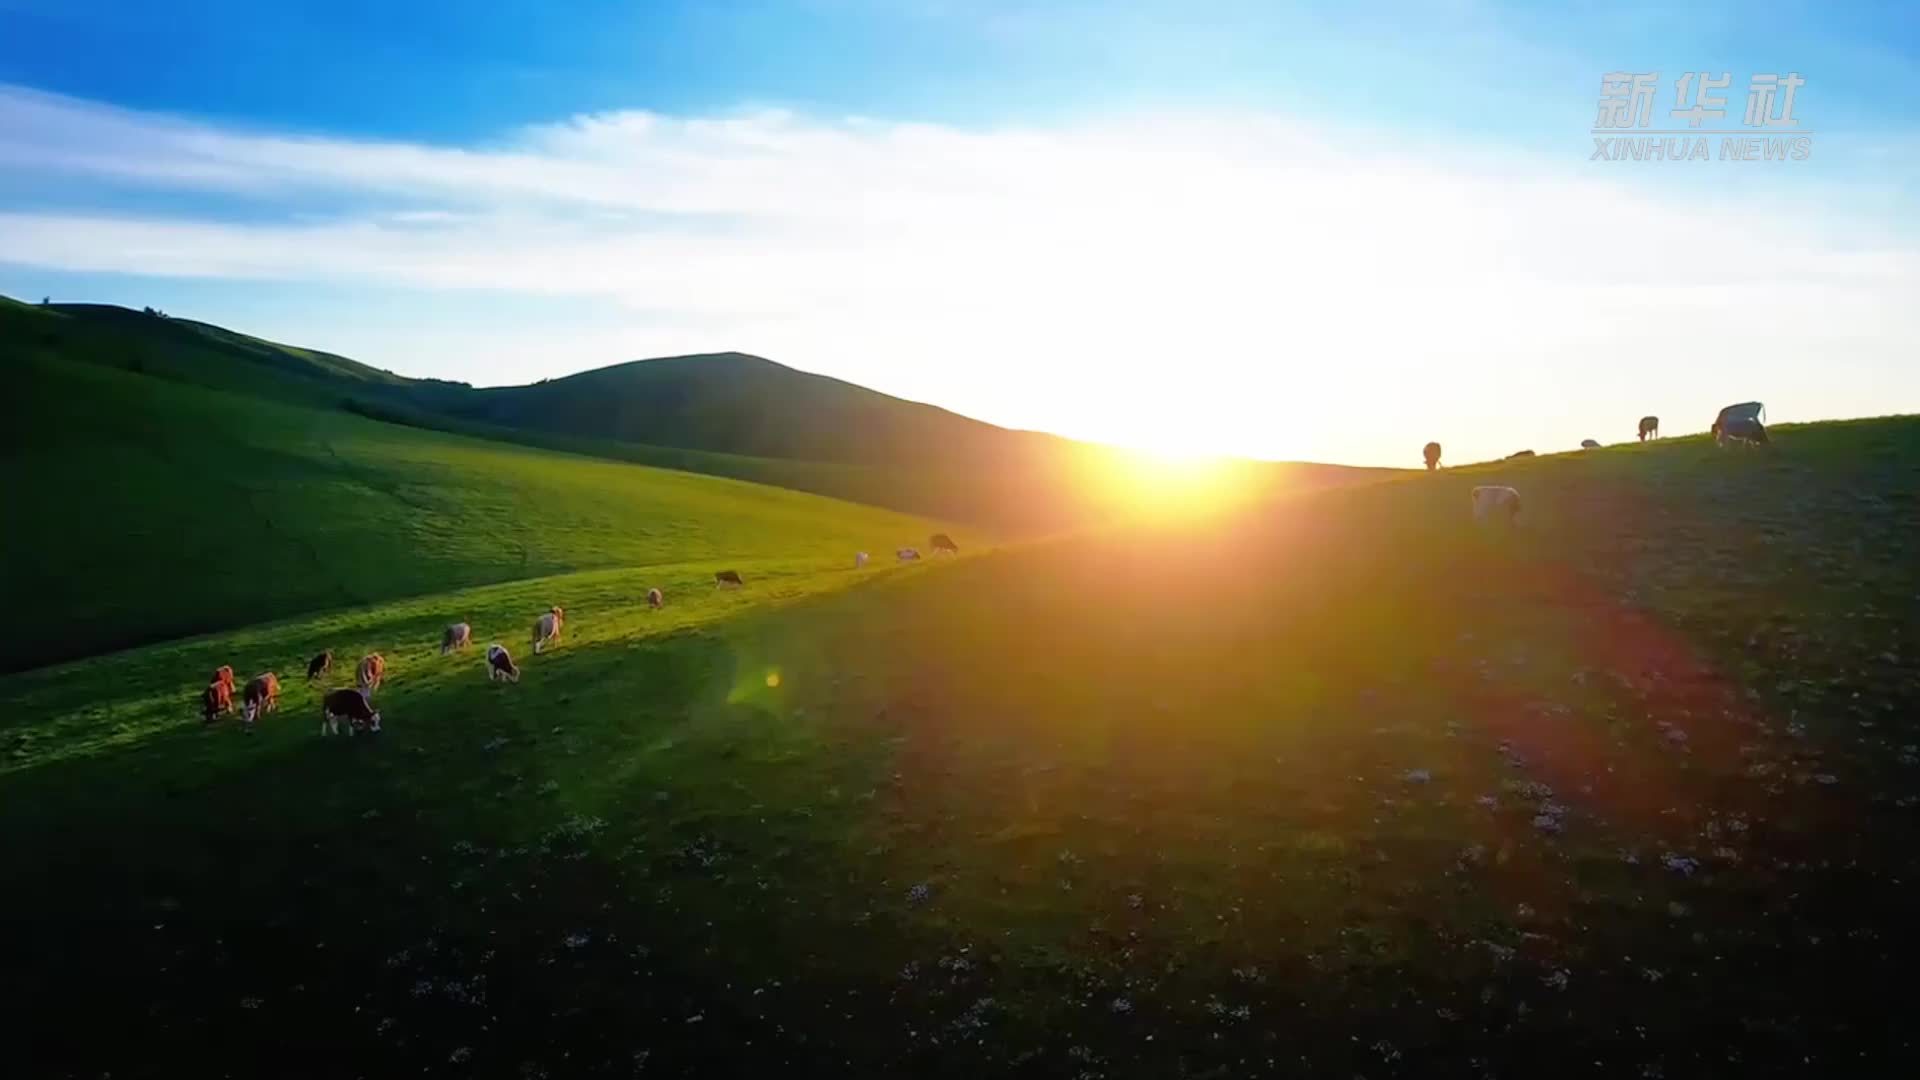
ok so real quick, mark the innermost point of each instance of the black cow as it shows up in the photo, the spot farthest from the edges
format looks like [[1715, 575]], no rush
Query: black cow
[[350, 704], [727, 577], [940, 542], [320, 665], [500, 664]]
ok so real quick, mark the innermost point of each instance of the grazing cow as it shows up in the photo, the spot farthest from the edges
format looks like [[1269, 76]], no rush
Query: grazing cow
[[546, 628], [224, 676], [352, 705], [1589, 444], [907, 554], [262, 696], [859, 560], [1740, 423], [457, 636], [1493, 502], [1518, 454], [1649, 428], [320, 665], [940, 542], [372, 672], [215, 700], [500, 664], [655, 598], [1431, 454], [727, 578]]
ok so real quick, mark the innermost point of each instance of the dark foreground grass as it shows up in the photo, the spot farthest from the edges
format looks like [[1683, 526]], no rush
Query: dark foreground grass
[[1340, 789]]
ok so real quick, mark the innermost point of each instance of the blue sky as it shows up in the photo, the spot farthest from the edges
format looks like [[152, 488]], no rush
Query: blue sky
[[1377, 222]]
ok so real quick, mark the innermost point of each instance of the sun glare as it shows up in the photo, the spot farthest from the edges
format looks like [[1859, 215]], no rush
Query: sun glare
[[1170, 480]]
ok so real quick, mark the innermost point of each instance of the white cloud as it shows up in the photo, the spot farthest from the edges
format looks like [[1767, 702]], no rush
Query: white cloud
[[1239, 280]]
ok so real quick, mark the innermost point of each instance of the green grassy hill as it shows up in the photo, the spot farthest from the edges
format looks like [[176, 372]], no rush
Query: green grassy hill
[[181, 350], [1341, 786], [725, 415], [148, 508], [740, 404]]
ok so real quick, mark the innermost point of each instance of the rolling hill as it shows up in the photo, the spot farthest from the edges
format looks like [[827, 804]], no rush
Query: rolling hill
[[724, 414], [147, 507], [182, 350], [1353, 787], [739, 404]]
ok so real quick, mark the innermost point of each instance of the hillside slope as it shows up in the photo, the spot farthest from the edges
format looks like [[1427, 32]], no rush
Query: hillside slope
[[739, 404], [1343, 781], [725, 415], [182, 350], [147, 509]]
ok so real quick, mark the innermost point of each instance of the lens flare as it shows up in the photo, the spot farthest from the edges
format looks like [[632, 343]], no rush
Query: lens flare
[[1167, 483]]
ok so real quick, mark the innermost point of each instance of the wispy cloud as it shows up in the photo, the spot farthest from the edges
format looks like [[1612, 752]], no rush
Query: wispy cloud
[[1242, 279]]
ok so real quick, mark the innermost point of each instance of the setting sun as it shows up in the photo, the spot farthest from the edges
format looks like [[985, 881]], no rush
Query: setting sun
[[1170, 480]]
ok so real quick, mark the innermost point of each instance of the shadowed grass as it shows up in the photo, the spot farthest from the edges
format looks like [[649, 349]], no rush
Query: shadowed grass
[[1343, 786]]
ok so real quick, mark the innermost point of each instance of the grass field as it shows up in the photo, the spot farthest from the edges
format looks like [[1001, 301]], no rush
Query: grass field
[[161, 509], [1336, 787]]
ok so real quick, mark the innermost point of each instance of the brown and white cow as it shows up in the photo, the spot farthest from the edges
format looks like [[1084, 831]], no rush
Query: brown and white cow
[[320, 665], [655, 598], [371, 672], [546, 628], [351, 705], [500, 664], [727, 579], [456, 636], [215, 700], [224, 676], [262, 696]]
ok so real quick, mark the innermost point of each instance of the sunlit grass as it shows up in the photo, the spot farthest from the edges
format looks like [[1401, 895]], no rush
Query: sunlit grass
[[226, 511]]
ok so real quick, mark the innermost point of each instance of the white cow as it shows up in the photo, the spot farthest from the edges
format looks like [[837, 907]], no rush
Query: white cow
[[907, 554], [1494, 502], [859, 560], [546, 628], [457, 636]]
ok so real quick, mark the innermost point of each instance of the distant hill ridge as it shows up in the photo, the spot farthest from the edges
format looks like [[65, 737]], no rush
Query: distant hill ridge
[[732, 402], [724, 402], [728, 413]]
